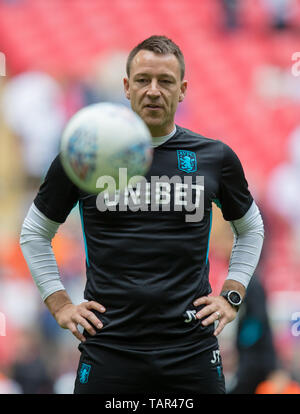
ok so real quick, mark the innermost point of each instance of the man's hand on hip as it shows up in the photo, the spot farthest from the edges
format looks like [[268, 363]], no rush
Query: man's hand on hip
[[216, 308], [68, 315]]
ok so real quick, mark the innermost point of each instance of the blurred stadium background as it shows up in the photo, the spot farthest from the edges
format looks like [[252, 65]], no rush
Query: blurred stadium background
[[244, 88]]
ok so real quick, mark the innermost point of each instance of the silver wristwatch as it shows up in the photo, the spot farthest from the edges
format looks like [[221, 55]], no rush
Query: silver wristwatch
[[233, 297]]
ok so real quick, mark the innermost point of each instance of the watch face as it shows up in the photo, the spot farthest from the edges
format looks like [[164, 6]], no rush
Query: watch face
[[234, 298]]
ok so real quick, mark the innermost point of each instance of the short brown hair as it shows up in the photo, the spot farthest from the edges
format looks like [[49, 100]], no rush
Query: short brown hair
[[161, 45]]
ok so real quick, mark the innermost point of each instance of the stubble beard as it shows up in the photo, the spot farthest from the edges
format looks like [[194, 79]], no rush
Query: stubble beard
[[158, 125]]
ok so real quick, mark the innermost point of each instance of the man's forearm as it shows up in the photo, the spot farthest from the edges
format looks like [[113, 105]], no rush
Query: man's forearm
[[234, 285], [35, 241]]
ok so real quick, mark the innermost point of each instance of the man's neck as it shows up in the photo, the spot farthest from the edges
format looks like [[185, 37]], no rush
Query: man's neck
[[156, 141], [158, 131]]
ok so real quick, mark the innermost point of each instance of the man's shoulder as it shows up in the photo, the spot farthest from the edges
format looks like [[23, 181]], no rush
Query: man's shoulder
[[190, 135]]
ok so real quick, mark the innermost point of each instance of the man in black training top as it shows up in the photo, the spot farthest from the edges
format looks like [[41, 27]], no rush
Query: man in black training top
[[150, 323]]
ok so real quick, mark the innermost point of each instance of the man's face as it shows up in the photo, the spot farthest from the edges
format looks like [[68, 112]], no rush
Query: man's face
[[154, 89]]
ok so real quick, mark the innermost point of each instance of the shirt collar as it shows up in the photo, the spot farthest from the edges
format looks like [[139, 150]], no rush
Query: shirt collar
[[156, 141]]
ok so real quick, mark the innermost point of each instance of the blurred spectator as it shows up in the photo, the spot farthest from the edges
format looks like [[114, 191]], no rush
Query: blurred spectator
[[283, 190], [255, 344], [230, 13], [66, 368], [8, 386], [105, 80], [31, 108], [64, 384], [19, 301], [29, 370], [280, 12], [276, 84], [278, 382], [72, 98], [256, 351], [12, 2]]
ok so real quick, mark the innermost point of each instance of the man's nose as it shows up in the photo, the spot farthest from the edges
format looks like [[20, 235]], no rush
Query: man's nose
[[153, 89]]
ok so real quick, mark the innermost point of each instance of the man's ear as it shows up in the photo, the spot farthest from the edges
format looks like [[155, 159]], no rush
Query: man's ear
[[126, 87], [182, 90]]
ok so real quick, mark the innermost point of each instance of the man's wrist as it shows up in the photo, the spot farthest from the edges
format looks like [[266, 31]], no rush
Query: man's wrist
[[233, 297], [56, 301]]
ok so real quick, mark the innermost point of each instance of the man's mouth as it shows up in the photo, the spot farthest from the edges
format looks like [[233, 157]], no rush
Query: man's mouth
[[153, 106]]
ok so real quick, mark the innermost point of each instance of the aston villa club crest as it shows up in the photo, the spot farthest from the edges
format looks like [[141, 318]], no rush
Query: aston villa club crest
[[187, 161], [84, 373]]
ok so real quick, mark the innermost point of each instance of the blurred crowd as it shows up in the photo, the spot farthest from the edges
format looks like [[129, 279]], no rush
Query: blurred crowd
[[260, 354], [279, 11], [36, 356]]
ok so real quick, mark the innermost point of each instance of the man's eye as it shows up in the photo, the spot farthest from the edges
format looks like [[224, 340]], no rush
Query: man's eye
[[166, 81], [142, 80]]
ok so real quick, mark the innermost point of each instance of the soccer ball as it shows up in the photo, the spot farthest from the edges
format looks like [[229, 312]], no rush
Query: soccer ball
[[106, 140]]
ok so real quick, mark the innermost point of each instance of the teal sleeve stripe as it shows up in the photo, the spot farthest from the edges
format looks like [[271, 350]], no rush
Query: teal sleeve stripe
[[210, 224], [84, 238]]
